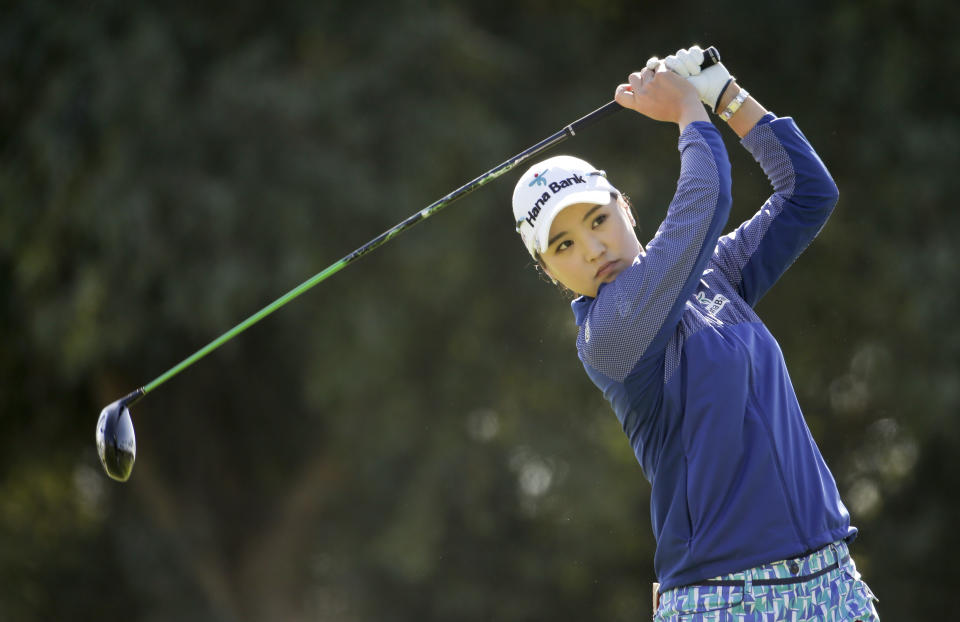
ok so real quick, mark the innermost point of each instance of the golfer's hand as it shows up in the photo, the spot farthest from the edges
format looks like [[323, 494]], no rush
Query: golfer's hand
[[663, 96], [710, 82]]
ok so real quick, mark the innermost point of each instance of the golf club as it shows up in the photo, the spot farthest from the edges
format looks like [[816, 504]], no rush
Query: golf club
[[116, 442]]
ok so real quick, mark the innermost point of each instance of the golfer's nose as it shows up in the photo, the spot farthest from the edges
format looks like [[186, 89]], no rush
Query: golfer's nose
[[594, 248]]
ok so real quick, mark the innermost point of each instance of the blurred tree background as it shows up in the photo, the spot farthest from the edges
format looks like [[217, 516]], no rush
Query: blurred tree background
[[415, 439]]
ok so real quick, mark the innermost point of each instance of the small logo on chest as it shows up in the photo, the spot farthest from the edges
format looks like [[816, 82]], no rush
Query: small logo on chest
[[714, 306]]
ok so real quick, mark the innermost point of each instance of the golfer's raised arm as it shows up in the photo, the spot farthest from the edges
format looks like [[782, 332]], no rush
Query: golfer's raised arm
[[761, 249], [647, 299]]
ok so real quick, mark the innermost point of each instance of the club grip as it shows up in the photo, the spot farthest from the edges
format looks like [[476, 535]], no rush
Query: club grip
[[710, 57]]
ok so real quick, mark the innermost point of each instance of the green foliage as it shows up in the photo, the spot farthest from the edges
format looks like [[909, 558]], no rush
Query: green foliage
[[415, 438]]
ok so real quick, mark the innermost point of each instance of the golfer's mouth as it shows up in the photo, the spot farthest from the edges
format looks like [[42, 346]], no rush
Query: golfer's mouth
[[606, 269]]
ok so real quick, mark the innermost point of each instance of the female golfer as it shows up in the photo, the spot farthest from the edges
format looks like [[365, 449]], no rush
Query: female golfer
[[747, 517]]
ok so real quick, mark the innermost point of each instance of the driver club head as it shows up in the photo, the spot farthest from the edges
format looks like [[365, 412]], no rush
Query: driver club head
[[116, 442]]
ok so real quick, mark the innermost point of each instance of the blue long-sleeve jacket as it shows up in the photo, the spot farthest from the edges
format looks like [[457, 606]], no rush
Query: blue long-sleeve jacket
[[697, 381]]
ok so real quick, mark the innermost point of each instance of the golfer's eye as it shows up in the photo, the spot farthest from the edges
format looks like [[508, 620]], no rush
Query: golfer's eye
[[599, 220], [562, 246]]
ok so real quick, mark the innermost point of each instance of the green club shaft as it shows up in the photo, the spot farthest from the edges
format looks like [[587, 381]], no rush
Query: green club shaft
[[244, 325], [384, 237]]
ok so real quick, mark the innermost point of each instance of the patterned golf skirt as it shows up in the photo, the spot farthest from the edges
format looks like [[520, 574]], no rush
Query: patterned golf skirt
[[823, 586]]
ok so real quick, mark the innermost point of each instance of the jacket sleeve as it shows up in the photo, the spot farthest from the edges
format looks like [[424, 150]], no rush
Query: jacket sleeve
[[753, 256], [638, 312]]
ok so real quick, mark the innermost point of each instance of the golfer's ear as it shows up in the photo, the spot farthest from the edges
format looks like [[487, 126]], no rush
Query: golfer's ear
[[543, 266]]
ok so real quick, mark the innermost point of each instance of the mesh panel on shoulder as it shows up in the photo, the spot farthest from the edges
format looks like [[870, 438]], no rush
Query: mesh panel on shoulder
[[629, 312]]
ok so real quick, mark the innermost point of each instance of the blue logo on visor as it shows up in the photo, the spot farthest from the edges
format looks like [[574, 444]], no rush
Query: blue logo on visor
[[539, 179]]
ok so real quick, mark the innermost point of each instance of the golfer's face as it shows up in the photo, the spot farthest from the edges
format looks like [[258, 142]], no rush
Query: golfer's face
[[589, 245]]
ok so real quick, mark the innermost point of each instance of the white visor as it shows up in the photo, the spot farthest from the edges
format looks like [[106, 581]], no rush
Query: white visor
[[548, 187]]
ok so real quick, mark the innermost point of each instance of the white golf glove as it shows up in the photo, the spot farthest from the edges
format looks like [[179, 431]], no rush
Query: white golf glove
[[709, 82]]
